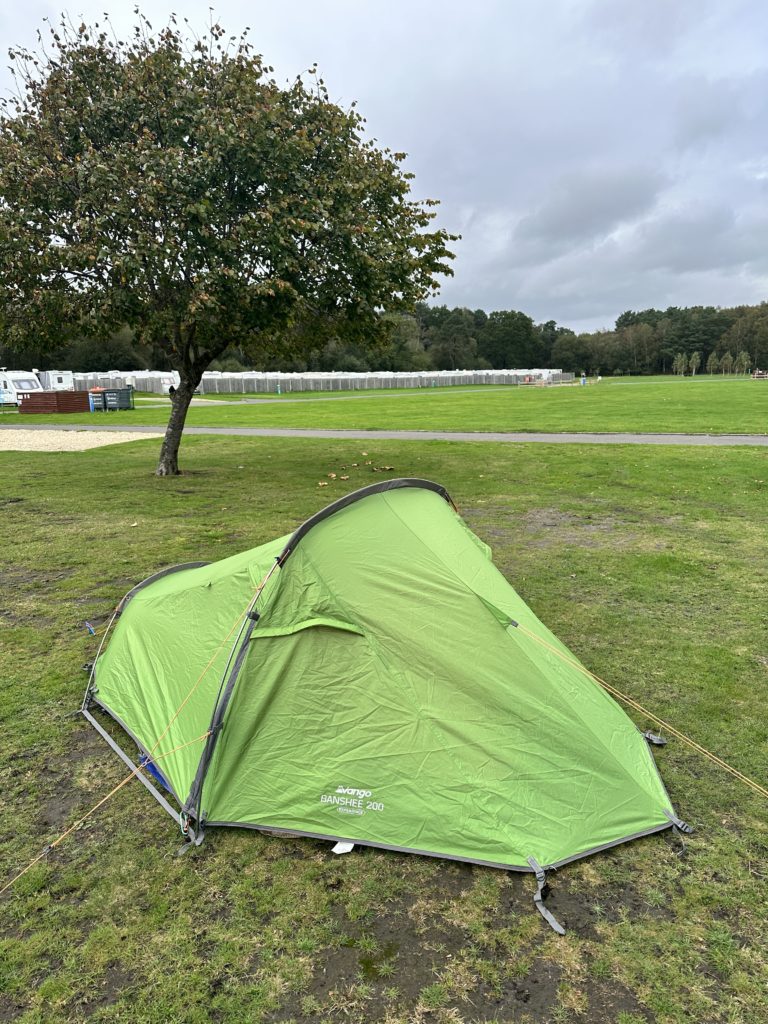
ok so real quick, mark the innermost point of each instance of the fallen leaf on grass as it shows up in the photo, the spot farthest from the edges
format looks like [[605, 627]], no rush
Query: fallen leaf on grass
[[322, 483], [343, 478]]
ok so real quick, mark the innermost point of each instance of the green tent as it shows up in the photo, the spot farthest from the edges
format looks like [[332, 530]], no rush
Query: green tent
[[384, 686]]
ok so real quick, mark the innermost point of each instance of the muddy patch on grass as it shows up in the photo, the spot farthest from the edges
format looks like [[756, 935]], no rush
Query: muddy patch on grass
[[545, 527], [58, 811], [609, 999], [532, 997], [19, 584], [10, 1009], [24, 577], [382, 963], [108, 990], [549, 526]]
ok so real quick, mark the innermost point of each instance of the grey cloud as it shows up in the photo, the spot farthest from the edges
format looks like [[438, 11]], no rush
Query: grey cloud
[[588, 204], [706, 109], [704, 238]]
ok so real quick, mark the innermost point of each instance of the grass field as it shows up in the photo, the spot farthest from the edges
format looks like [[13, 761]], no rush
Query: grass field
[[649, 563], [691, 406]]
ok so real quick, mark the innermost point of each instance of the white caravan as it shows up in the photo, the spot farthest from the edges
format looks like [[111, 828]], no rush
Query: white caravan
[[16, 382], [56, 380]]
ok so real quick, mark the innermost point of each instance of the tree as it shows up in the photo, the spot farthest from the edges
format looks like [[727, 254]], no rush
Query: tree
[[452, 339], [741, 363], [726, 362], [508, 341], [571, 352], [175, 188], [680, 363], [713, 363], [694, 363]]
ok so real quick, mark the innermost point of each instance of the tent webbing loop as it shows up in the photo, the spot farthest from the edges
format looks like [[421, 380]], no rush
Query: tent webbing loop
[[540, 894], [134, 772], [756, 786]]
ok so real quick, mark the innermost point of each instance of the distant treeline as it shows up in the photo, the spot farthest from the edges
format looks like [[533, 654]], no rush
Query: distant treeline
[[695, 339]]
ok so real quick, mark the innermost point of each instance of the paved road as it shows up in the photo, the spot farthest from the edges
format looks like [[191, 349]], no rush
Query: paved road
[[714, 440]]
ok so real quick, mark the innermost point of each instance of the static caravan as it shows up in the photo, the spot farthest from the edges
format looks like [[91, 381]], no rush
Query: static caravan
[[56, 380], [16, 382]]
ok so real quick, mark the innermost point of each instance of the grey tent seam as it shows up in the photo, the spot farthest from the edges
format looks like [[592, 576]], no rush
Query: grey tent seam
[[541, 892]]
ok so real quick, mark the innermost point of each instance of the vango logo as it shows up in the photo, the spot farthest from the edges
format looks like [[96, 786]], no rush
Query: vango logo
[[349, 791]]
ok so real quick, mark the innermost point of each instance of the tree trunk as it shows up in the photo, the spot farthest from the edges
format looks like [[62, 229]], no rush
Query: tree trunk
[[169, 452]]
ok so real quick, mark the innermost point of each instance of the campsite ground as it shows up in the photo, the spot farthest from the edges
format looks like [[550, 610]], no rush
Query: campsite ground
[[650, 563], [702, 405]]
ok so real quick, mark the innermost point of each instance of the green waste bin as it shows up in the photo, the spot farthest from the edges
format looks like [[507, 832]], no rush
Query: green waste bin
[[118, 398]]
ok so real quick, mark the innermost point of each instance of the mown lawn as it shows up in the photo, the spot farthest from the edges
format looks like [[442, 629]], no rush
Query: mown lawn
[[652, 564], [669, 406]]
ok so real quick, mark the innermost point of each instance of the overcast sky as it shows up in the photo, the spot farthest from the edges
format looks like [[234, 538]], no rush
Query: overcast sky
[[595, 155]]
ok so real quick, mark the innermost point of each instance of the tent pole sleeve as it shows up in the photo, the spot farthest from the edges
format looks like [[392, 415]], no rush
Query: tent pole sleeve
[[124, 757], [349, 499], [541, 892], [195, 796]]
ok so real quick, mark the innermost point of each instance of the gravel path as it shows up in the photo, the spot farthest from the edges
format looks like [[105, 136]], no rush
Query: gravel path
[[137, 432], [25, 439]]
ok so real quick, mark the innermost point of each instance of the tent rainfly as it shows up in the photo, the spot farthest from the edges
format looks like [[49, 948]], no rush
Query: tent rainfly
[[373, 679]]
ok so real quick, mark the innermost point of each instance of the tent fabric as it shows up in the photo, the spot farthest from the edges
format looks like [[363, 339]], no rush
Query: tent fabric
[[384, 696]]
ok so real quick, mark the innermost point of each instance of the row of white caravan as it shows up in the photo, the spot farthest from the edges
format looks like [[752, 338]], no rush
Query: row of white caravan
[[20, 382], [253, 382], [159, 382]]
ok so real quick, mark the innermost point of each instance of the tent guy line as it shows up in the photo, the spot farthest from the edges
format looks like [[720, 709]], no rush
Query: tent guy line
[[134, 773], [654, 718]]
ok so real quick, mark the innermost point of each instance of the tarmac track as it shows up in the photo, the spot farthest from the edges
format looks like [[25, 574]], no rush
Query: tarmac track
[[708, 440]]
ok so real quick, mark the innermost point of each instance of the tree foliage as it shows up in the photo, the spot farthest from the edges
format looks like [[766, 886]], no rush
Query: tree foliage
[[173, 186]]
